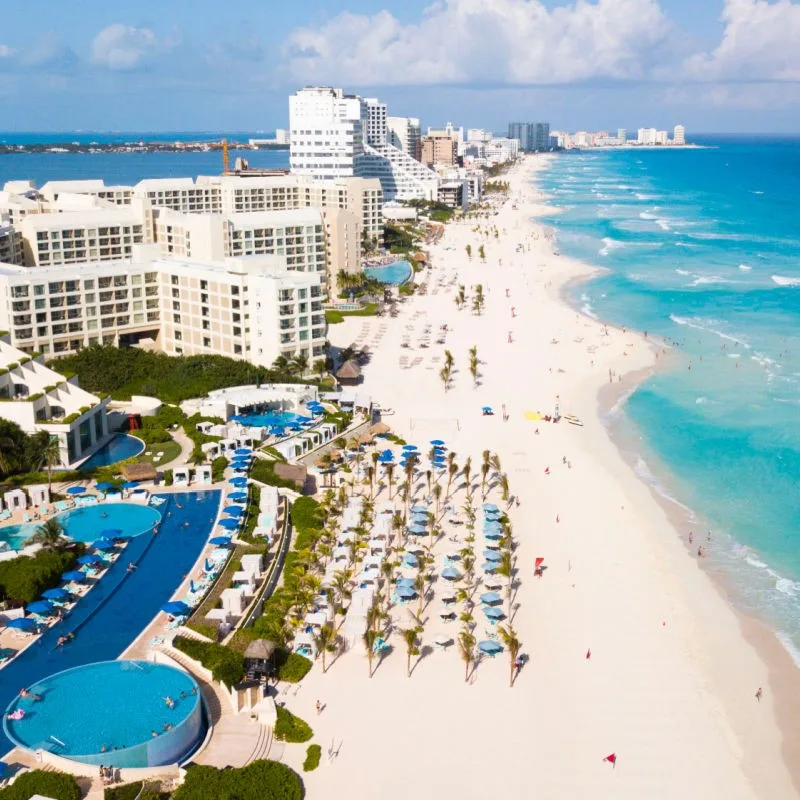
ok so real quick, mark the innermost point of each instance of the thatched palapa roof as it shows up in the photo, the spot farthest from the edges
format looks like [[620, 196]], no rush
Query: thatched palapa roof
[[349, 370], [138, 472], [261, 649]]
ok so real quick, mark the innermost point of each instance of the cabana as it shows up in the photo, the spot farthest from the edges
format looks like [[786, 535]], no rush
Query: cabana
[[181, 476], [227, 446], [349, 374], [202, 474], [211, 449], [39, 495], [205, 427], [257, 657], [15, 500]]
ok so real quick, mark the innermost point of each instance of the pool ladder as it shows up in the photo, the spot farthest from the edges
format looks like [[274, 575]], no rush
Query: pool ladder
[[58, 741]]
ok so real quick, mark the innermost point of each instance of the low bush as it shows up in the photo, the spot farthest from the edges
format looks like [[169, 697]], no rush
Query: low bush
[[256, 781], [263, 471], [226, 665], [24, 578], [333, 317], [313, 755], [56, 785], [128, 791], [290, 728], [291, 667], [218, 466], [169, 477]]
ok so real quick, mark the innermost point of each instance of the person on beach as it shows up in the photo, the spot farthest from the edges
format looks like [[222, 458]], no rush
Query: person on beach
[[588, 654], [758, 694], [691, 537], [319, 707], [510, 340]]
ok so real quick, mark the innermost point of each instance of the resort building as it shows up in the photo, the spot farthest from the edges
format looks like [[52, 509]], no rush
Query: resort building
[[11, 251], [253, 308], [337, 135], [39, 399], [403, 133], [679, 135], [533, 136], [439, 148]]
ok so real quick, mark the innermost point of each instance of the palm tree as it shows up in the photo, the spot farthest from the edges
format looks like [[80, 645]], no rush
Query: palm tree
[[482, 253], [478, 300], [509, 638], [473, 364], [467, 475], [485, 467], [466, 647], [448, 359], [444, 374], [468, 248], [371, 478], [437, 494], [50, 535], [411, 637], [325, 642], [504, 487], [419, 587], [51, 457], [452, 471], [341, 585], [461, 297], [300, 362], [505, 568], [281, 364], [370, 636]]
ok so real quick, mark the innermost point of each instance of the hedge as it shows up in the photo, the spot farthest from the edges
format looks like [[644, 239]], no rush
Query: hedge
[[290, 728], [263, 471], [226, 665], [57, 785], [291, 667], [129, 791], [313, 755], [256, 781], [24, 578]]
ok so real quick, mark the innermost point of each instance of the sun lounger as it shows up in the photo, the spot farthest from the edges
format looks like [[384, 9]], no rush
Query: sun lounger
[[5, 514]]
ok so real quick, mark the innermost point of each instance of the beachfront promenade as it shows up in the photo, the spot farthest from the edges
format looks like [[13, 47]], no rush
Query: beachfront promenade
[[631, 649]]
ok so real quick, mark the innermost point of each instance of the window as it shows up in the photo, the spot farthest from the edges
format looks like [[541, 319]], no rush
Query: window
[[206, 341], [237, 349], [204, 285], [174, 280], [178, 336], [176, 318]]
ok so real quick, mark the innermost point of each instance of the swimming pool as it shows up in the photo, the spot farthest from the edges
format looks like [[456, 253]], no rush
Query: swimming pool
[[107, 712], [15, 536], [397, 272], [87, 524], [269, 419], [119, 448], [122, 603]]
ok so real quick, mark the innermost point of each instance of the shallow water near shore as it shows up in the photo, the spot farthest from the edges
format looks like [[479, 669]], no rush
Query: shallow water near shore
[[702, 247]]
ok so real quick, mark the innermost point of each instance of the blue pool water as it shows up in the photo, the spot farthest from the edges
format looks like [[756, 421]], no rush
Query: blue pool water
[[117, 449], [269, 419], [16, 535], [398, 272], [107, 712], [122, 603], [87, 524], [702, 248]]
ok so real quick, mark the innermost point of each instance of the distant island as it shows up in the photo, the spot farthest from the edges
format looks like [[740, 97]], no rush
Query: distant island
[[136, 147]]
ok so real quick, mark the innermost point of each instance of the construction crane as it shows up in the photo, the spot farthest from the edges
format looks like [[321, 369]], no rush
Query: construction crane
[[225, 157]]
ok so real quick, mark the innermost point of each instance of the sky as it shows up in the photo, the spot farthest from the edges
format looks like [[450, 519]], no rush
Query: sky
[[194, 65]]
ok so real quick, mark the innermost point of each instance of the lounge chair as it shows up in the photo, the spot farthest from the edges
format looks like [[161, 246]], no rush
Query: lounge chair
[[5, 514], [26, 517]]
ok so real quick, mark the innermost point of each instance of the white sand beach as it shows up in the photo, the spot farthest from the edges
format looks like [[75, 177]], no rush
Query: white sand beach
[[671, 682]]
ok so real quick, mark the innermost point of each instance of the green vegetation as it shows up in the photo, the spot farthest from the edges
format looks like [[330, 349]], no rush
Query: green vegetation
[[256, 781], [292, 667], [438, 212], [264, 472], [128, 791], [24, 578], [313, 755], [497, 169], [226, 665], [19, 452], [122, 372], [495, 187], [306, 520], [57, 785], [334, 316], [398, 239], [290, 728], [407, 289]]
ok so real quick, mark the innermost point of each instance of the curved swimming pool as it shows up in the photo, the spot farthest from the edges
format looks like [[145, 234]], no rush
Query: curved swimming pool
[[395, 273], [90, 523], [111, 712], [119, 448]]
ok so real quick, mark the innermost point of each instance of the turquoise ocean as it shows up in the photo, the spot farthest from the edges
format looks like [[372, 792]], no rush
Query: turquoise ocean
[[702, 247]]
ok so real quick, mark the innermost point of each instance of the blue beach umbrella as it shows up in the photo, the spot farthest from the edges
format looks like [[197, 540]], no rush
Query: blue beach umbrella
[[243, 451], [238, 497], [405, 592], [405, 582], [490, 598], [490, 507], [103, 544], [73, 575], [40, 607], [419, 509], [21, 623], [130, 485], [410, 448], [233, 511], [383, 459], [89, 559], [238, 482], [176, 607], [410, 560], [220, 541], [489, 566], [55, 594], [490, 647], [492, 536], [416, 529], [492, 612], [492, 555], [104, 486], [451, 574], [76, 490], [111, 533], [419, 519], [230, 523], [486, 409], [437, 442]]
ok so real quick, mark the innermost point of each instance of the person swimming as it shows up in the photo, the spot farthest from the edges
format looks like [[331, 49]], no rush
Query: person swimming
[[23, 692]]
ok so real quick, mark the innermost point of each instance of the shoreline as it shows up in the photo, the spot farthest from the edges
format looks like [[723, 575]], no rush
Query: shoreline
[[756, 629]]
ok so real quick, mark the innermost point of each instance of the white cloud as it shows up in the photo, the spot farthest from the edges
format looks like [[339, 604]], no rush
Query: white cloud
[[122, 48], [6, 51], [761, 41], [508, 41]]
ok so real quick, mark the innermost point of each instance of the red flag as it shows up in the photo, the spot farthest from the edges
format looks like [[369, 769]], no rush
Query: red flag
[[612, 759], [539, 562]]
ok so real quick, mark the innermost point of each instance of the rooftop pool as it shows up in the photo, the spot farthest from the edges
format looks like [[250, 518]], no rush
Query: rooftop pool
[[119, 448], [121, 604], [108, 712], [269, 419], [398, 272]]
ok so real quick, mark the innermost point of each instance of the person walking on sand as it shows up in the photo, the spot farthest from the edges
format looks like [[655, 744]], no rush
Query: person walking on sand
[[589, 654], [319, 707], [758, 694]]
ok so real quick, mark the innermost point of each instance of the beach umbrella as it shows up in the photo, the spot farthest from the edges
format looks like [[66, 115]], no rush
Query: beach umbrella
[[493, 612], [242, 451], [103, 544], [415, 549], [130, 485], [490, 507], [177, 608], [40, 607], [442, 639], [419, 509], [89, 559], [489, 566], [492, 555], [383, 459], [490, 598], [405, 592], [73, 575], [192, 587], [21, 623], [238, 497], [208, 566], [437, 442], [233, 511], [487, 410], [490, 647], [76, 490], [408, 582], [410, 448], [230, 523], [493, 535], [416, 529], [451, 574], [220, 541], [244, 461], [419, 519], [238, 482], [111, 533], [104, 486], [410, 560], [55, 594]]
